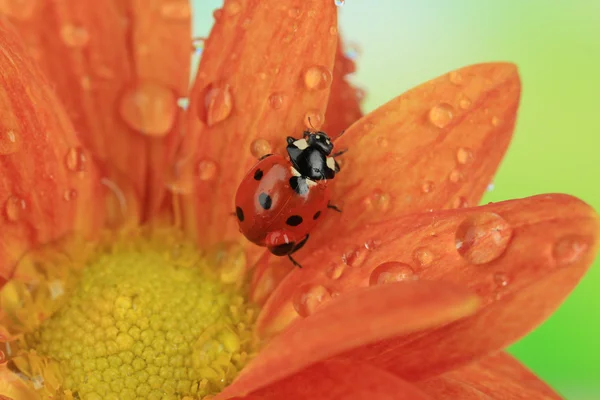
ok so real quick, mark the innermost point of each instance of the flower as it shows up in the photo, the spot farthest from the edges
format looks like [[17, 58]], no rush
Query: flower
[[409, 293]]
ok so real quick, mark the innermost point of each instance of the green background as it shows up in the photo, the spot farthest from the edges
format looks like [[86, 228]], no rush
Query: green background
[[556, 45]]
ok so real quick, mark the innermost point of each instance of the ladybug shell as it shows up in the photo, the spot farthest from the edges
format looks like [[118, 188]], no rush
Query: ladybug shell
[[272, 198]]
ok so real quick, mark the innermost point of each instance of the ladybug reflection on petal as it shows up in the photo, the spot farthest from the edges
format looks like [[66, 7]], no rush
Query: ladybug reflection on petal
[[280, 201]]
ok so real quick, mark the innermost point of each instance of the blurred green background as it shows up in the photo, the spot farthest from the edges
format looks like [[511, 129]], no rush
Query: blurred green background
[[556, 45]]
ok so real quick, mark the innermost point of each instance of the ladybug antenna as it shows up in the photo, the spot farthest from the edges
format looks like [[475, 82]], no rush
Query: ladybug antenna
[[311, 125], [340, 135]]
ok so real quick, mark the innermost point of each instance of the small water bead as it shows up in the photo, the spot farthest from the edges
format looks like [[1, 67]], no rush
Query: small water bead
[[149, 108], [75, 159], [355, 257], [218, 103], [501, 279], [314, 119], [178, 10], [378, 201], [14, 208], [276, 100], [455, 176], [441, 115], [483, 237], [335, 271], [260, 147], [427, 187], [464, 155], [308, 298], [74, 35], [569, 249], [391, 272], [333, 30], [198, 44], [460, 202], [422, 256], [372, 244], [10, 142], [207, 170], [464, 103], [339, 3], [455, 77], [317, 77], [70, 194], [496, 121]]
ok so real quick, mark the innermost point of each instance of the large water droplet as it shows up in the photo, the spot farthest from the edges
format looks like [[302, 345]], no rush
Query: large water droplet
[[314, 119], [339, 3], [260, 147], [422, 256], [14, 208], [74, 35], [483, 237], [10, 142], [390, 272], [176, 9], [149, 108], [207, 170], [441, 115], [218, 103], [308, 298], [75, 159], [317, 77], [198, 45], [464, 155], [276, 101], [569, 249]]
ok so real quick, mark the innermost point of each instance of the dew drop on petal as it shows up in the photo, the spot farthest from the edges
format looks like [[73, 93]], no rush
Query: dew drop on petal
[[339, 3], [464, 155], [390, 272], [427, 186], [260, 147], [464, 103], [10, 142], [176, 10], [333, 30], [70, 194], [74, 35], [2, 357], [335, 271], [455, 77], [217, 105], [455, 176], [569, 249], [422, 256], [355, 257], [377, 201], [495, 121], [308, 298], [317, 77], [460, 202], [207, 170], [441, 115], [501, 279], [232, 7], [75, 159], [372, 244], [314, 119], [483, 237], [198, 45], [14, 208], [276, 101], [149, 108]]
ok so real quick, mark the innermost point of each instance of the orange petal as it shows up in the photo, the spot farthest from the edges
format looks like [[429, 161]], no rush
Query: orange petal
[[499, 251], [343, 108], [499, 376], [364, 316], [333, 380], [49, 183], [264, 70], [107, 64]]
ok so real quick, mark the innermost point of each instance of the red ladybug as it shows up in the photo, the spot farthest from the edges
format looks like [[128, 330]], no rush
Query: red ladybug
[[281, 200]]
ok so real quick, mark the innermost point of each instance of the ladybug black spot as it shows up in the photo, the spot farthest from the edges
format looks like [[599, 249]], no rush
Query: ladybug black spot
[[240, 213], [258, 175], [299, 185], [265, 201], [294, 220], [317, 215]]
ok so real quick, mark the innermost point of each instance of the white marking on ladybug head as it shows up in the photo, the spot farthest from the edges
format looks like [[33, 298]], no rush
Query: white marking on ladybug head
[[301, 144], [295, 171], [310, 182], [331, 163], [318, 136]]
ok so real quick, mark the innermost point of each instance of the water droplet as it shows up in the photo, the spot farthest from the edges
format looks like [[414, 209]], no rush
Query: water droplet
[[464, 155], [490, 187], [355, 257], [75, 159], [422, 256], [14, 208], [183, 103], [427, 186], [455, 176], [232, 8], [116, 204], [314, 119], [260, 147], [74, 36], [333, 30], [495, 121], [308, 298], [464, 103], [335, 271], [198, 45], [483, 237], [339, 3], [276, 101], [317, 77], [207, 170], [455, 77], [372, 244], [149, 108], [460, 202], [441, 115], [10, 142], [2, 357], [390, 272], [70, 194], [569, 249], [218, 103], [501, 279], [378, 200], [176, 10]]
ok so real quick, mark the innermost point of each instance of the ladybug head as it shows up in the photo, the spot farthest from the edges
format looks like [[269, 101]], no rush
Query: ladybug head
[[319, 140]]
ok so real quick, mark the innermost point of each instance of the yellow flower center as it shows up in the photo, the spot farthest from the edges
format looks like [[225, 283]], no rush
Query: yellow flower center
[[145, 320]]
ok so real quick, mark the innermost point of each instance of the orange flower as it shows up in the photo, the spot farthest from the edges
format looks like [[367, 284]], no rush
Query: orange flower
[[408, 293]]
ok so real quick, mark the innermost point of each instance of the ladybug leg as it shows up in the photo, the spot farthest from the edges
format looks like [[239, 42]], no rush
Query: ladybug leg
[[295, 249], [265, 156], [339, 153], [333, 207], [296, 263]]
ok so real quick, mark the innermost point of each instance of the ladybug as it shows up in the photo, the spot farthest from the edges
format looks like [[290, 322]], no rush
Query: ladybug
[[281, 199]]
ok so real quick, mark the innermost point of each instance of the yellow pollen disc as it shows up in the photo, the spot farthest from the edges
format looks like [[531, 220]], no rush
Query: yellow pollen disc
[[149, 318]]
